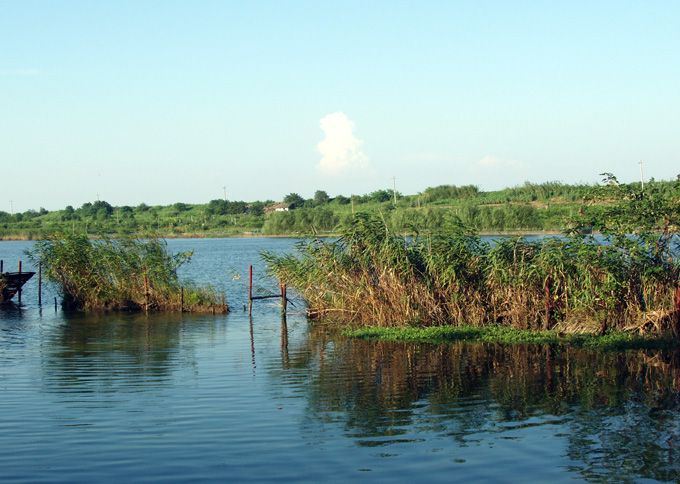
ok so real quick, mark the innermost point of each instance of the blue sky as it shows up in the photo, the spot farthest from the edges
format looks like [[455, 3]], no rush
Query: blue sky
[[167, 101]]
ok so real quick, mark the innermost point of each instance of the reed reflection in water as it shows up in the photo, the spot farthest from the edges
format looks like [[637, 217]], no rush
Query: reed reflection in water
[[617, 415], [266, 399]]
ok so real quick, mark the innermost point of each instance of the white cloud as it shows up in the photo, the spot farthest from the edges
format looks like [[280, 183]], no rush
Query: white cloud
[[340, 149]]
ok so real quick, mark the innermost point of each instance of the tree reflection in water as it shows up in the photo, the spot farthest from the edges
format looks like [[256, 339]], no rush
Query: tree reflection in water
[[617, 412]]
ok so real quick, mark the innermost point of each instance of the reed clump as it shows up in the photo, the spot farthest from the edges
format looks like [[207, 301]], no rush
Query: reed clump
[[570, 284], [121, 274]]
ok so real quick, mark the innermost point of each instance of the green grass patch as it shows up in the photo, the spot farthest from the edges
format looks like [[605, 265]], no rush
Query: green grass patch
[[617, 341]]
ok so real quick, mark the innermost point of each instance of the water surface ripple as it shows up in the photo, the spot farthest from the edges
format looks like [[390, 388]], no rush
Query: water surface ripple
[[203, 398]]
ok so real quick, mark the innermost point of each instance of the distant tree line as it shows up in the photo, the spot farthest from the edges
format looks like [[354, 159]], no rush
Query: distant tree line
[[530, 207]]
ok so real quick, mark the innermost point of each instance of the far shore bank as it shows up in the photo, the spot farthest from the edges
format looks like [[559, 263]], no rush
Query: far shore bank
[[252, 235]]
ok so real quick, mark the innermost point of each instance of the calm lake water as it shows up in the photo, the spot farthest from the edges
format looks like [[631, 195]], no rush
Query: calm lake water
[[163, 398]]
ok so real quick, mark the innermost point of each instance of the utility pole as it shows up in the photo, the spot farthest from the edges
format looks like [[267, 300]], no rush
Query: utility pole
[[642, 178], [394, 189]]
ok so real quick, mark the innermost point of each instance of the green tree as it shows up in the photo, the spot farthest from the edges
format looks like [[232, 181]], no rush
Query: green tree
[[342, 200], [321, 197], [68, 213], [294, 200], [180, 207], [381, 196], [256, 209], [29, 214], [652, 213], [126, 212], [226, 207]]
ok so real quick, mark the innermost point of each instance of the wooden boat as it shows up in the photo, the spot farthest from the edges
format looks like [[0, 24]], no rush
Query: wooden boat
[[11, 282]]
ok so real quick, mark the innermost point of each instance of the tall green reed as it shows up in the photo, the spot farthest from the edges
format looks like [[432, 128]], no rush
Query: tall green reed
[[371, 276], [120, 274]]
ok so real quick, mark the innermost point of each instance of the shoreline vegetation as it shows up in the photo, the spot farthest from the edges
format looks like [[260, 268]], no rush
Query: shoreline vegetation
[[528, 209], [628, 280], [252, 235], [385, 269], [125, 274]]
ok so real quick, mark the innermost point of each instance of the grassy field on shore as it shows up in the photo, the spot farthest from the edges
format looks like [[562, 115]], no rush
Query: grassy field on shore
[[532, 208]]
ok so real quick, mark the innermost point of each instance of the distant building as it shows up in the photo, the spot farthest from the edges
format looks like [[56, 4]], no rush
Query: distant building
[[277, 207]]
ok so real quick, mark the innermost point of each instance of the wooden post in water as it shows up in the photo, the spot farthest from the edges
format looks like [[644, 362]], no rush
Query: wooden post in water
[[39, 283], [282, 290], [250, 290], [55, 304], [19, 295], [284, 340]]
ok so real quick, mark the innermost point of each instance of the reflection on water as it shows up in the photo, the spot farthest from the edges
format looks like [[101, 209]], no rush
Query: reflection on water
[[159, 397], [174, 380], [617, 414], [117, 352]]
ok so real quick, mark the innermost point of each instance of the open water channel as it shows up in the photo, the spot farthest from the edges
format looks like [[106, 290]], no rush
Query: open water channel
[[233, 398]]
